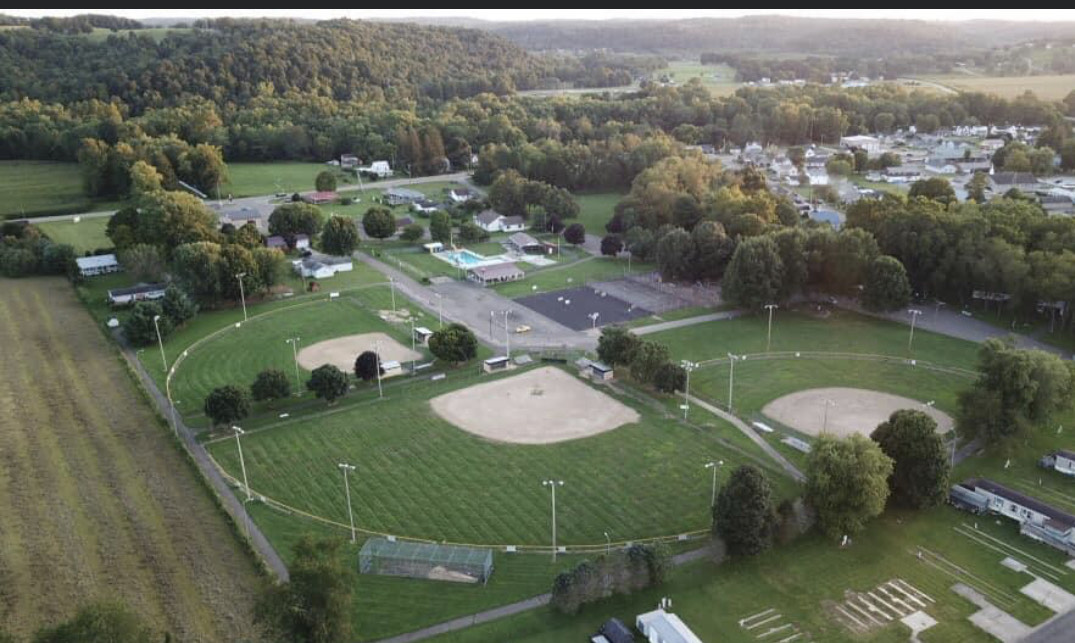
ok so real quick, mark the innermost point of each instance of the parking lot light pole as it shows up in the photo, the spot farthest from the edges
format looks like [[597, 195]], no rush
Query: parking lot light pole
[[507, 335], [714, 465], [769, 334], [687, 366], [608, 544], [412, 345], [242, 292], [440, 308], [160, 342], [552, 484], [294, 341], [731, 379], [171, 403], [377, 354], [348, 468], [242, 463], [392, 286], [914, 313]]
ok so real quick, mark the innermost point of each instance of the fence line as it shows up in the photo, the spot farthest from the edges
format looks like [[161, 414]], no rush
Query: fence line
[[836, 355]]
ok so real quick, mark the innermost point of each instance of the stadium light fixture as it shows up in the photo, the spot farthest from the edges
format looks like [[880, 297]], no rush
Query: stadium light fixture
[[714, 465], [552, 484], [160, 342], [242, 463], [294, 341], [242, 292], [348, 468]]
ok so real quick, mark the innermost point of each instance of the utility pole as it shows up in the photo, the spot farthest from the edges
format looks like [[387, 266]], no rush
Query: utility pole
[[687, 366], [160, 342], [392, 285], [552, 484], [914, 313], [348, 468], [242, 292], [377, 354], [242, 463], [731, 379], [294, 341], [507, 335], [769, 335], [714, 465], [412, 345]]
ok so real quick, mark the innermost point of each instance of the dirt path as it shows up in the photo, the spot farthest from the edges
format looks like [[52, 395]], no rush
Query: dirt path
[[97, 502]]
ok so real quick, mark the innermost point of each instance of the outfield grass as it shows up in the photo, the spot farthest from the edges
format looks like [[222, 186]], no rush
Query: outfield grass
[[39, 188], [422, 477], [570, 275], [85, 236], [1049, 88]]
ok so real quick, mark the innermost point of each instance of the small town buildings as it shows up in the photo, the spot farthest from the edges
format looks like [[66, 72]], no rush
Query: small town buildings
[[141, 292], [380, 169], [97, 265], [433, 247], [348, 161], [499, 363], [992, 144], [1062, 461], [613, 631], [525, 244], [901, 174], [422, 334], [460, 195], [660, 626], [1001, 182], [427, 206], [391, 368], [320, 198], [403, 196], [302, 242], [495, 274], [322, 267], [1057, 204], [276, 242], [239, 216], [1037, 520], [868, 144], [601, 372], [493, 221]]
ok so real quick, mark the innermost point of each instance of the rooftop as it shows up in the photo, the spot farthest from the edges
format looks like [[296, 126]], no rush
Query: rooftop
[[997, 489]]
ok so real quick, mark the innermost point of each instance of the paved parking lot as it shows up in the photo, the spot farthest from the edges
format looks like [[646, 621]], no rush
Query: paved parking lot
[[573, 307]]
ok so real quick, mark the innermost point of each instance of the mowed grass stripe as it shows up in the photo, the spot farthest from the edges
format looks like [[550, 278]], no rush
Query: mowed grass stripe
[[422, 477]]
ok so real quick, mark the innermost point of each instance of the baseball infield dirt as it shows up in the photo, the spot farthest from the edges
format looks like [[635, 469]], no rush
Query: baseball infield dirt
[[341, 352], [850, 410]]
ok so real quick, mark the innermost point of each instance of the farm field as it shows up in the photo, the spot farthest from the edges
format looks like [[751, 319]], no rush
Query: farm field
[[85, 236], [40, 188], [87, 463], [1050, 88], [719, 79], [422, 477]]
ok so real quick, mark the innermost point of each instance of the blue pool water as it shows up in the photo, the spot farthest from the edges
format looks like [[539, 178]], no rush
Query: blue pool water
[[464, 258]]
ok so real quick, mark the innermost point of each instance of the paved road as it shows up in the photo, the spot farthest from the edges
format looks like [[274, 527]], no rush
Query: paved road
[[233, 505], [265, 202], [689, 321], [1059, 629], [513, 608], [792, 470]]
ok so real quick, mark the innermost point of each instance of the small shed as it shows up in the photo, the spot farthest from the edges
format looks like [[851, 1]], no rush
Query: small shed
[[97, 265], [495, 274], [499, 363], [434, 247], [391, 368], [422, 334], [601, 372], [320, 198], [614, 631]]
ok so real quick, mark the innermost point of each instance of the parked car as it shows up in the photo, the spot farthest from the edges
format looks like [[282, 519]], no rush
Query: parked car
[[522, 329]]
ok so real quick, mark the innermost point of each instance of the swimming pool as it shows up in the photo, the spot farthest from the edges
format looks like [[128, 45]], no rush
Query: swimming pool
[[464, 258]]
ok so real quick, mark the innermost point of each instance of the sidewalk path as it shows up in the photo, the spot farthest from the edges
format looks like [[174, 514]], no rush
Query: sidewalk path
[[689, 321], [232, 504]]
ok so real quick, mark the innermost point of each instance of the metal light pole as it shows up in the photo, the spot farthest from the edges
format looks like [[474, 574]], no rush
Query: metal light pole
[[825, 421], [160, 342], [769, 334], [593, 318], [731, 378], [242, 292], [412, 346], [687, 366], [294, 341], [242, 463], [171, 404], [507, 335], [552, 484], [608, 544], [347, 468], [392, 286], [440, 308], [914, 313], [377, 354], [714, 465]]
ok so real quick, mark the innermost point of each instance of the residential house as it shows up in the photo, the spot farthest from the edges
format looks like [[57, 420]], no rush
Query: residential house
[[940, 165], [322, 267], [991, 145], [868, 144], [1001, 182], [141, 292], [495, 274], [427, 206], [380, 169], [973, 164], [1037, 520], [613, 631], [901, 174], [403, 196], [242, 215], [97, 265], [660, 626], [493, 221], [302, 242], [461, 195], [348, 161], [1062, 461], [320, 198], [276, 242], [1057, 204], [524, 243]]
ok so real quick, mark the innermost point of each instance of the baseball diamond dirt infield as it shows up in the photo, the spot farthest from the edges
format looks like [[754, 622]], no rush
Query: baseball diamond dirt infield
[[341, 352], [573, 307], [850, 410], [542, 406]]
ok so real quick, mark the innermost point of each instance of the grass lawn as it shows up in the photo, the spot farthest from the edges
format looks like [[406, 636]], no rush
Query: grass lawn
[[719, 79], [569, 275], [1049, 87], [255, 179], [40, 188], [422, 477], [595, 210], [86, 235]]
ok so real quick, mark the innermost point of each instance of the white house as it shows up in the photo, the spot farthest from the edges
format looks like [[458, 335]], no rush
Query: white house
[[660, 626], [460, 195], [141, 292], [380, 168], [97, 265], [1001, 182], [403, 196], [1036, 519], [869, 144], [1062, 461], [493, 221], [322, 267]]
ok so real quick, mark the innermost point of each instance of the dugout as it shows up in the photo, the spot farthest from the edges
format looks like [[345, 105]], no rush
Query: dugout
[[426, 560]]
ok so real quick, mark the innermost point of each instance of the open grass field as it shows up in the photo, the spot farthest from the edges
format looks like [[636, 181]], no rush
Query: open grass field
[[569, 275], [97, 502], [85, 236], [595, 210], [156, 33], [255, 179], [719, 79], [420, 476], [1053, 87], [39, 188]]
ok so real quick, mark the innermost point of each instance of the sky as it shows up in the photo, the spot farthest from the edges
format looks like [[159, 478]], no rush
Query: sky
[[1043, 15]]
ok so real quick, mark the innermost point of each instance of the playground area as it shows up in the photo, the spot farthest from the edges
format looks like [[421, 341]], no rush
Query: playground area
[[341, 352], [844, 411], [541, 406], [576, 307]]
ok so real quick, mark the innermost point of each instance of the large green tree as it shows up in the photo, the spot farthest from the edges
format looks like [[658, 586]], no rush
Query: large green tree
[[139, 327], [647, 360], [846, 482], [314, 606], [755, 274], [455, 343], [325, 181], [328, 383], [295, 218], [227, 404], [100, 623], [886, 287], [936, 188], [920, 465], [340, 236], [675, 256], [379, 223], [743, 516], [271, 384], [617, 345]]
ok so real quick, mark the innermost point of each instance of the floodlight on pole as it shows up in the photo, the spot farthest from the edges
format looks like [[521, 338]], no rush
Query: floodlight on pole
[[688, 366], [242, 463], [825, 421], [608, 544], [507, 335], [171, 403], [914, 313], [593, 318], [769, 334], [714, 465], [242, 292], [377, 355], [731, 379], [552, 484], [413, 352], [348, 468], [294, 341], [440, 308], [160, 342], [392, 286]]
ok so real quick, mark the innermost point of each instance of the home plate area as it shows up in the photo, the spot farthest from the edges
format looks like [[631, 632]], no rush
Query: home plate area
[[894, 600], [770, 626]]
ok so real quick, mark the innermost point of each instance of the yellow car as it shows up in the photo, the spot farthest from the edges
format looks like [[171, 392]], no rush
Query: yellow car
[[522, 329]]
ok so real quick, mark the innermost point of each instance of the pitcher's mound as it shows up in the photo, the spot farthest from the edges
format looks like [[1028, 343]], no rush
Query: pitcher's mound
[[850, 410], [537, 407], [341, 352]]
